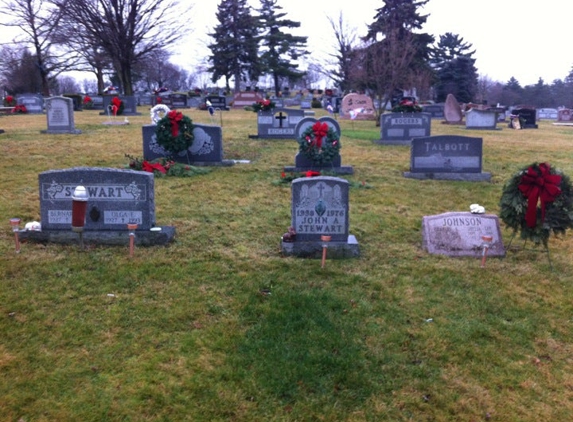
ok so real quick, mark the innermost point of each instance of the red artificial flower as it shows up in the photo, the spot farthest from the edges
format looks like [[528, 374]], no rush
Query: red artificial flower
[[150, 167], [311, 173], [283, 175], [87, 99], [9, 98], [158, 100]]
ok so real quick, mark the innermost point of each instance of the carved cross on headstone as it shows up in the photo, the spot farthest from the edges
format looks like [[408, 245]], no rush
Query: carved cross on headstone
[[280, 118]]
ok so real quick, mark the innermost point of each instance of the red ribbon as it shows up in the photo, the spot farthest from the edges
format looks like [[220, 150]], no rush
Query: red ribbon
[[539, 185], [175, 117], [320, 130], [150, 167], [311, 173]]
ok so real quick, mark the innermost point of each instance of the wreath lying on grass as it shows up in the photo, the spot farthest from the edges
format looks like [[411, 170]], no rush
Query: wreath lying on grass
[[320, 144], [536, 201], [174, 132]]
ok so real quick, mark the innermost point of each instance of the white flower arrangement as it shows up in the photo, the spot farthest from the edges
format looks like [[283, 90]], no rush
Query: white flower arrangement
[[158, 112], [477, 209]]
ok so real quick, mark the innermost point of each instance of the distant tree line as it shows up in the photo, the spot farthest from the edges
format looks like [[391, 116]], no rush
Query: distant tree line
[[128, 44]]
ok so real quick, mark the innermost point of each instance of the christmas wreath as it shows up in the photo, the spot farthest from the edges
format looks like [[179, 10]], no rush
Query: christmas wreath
[[319, 143], [116, 106], [407, 106], [536, 201], [263, 105], [174, 132]]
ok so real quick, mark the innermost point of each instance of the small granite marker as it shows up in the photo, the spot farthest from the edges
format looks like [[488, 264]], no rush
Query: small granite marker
[[60, 116], [460, 234]]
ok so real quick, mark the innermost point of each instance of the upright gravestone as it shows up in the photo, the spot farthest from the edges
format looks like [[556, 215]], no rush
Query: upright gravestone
[[246, 98], [447, 157], [302, 163], [60, 116], [218, 102], [306, 102], [357, 107], [129, 104], [527, 115], [436, 111], [115, 198], [481, 119], [461, 234], [564, 117], [97, 101], [34, 102], [452, 111], [320, 208], [401, 128], [547, 114], [206, 150], [178, 100], [278, 123]]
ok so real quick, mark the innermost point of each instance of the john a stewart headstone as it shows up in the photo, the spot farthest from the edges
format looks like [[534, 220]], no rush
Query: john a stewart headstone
[[481, 119], [401, 128], [452, 111], [320, 207], [460, 234], [279, 123], [447, 157], [206, 150], [115, 198], [60, 116], [34, 102]]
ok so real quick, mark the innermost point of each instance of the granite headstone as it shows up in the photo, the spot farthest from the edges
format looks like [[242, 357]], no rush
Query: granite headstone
[[452, 111], [279, 123], [401, 128], [481, 119], [357, 107], [60, 115], [34, 102]]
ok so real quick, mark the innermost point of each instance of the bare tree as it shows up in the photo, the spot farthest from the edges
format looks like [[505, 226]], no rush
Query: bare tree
[[346, 42], [127, 30], [36, 22]]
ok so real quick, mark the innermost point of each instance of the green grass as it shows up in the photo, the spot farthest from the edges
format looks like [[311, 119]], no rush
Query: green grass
[[218, 326]]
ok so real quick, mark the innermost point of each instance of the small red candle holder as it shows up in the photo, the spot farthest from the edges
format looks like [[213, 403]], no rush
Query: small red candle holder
[[485, 246], [325, 239], [131, 227]]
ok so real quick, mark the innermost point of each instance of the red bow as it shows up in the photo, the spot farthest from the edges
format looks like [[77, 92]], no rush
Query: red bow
[[150, 167], [175, 117], [539, 185], [311, 173], [320, 130]]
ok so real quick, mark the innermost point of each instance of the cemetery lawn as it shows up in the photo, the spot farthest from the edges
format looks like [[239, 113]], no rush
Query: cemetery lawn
[[218, 326]]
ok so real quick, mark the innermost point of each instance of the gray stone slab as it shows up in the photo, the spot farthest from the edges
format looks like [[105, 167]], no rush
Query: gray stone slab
[[129, 104], [436, 111], [404, 126], [116, 197], [335, 250], [460, 234], [279, 123], [34, 102], [481, 119], [60, 116]]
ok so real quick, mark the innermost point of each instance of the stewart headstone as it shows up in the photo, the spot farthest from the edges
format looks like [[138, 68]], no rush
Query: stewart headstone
[[460, 234], [320, 207], [447, 157]]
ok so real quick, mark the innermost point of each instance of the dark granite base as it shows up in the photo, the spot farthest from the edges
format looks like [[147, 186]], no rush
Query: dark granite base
[[1, 130], [462, 177], [336, 250], [101, 237], [223, 163], [335, 170], [62, 132], [402, 142], [482, 128]]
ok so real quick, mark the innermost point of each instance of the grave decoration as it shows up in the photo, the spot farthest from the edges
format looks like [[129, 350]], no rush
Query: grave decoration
[[174, 132], [9, 101], [88, 103], [116, 106], [164, 167], [407, 106], [537, 201], [319, 144], [263, 105], [20, 109]]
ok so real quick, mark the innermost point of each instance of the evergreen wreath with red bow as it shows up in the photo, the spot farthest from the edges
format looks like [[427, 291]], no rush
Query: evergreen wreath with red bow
[[174, 132], [536, 201], [320, 144]]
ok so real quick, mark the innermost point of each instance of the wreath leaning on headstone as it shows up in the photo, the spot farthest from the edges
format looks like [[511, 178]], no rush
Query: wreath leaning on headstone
[[319, 143], [536, 201], [174, 132]]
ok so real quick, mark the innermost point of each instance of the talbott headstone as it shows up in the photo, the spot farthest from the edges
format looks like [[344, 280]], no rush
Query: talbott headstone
[[481, 119], [34, 102], [129, 104], [401, 128], [279, 123], [206, 150], [452, 111], [60, 116], [115, 198], [547, 114], [246, 98], [527, 115], [436, 111], [460, 234], [320, 207], [302, 163], [447, 157], [357, 107]]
